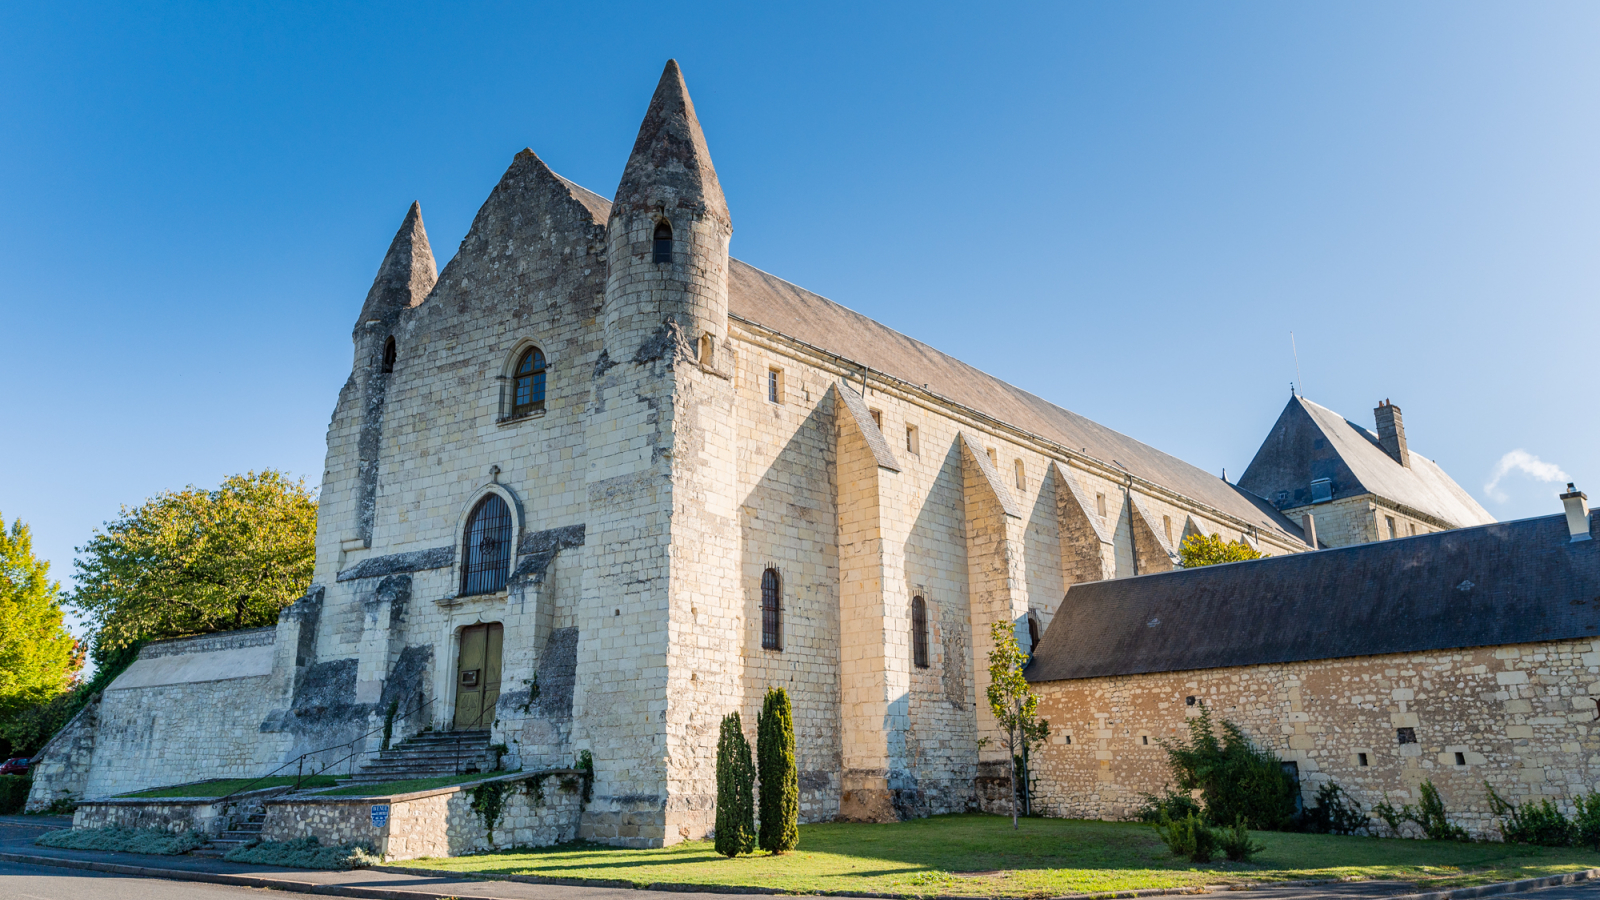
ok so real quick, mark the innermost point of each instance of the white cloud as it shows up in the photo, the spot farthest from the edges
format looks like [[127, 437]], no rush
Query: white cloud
[[1526, 463]]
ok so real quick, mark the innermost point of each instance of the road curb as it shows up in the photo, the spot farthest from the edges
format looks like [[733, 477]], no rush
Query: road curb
[[282, 883]]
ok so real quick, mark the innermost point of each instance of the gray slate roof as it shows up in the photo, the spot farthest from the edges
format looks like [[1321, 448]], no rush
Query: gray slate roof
[[771, 302], [1505, 583], [1310, 441]]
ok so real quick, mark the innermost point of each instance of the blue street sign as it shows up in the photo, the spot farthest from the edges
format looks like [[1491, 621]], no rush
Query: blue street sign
[[380, 815]]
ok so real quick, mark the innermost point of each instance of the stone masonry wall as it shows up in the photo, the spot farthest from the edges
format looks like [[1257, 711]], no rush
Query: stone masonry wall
[[1518, 717]]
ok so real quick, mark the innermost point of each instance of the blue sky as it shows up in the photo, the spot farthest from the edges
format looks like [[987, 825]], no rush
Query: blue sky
[[1123, 207]]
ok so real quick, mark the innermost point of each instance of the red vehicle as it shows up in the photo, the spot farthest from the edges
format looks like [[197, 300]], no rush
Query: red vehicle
[[17, 766]]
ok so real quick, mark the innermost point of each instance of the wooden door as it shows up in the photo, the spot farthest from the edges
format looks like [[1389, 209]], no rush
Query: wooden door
[[478, 676]]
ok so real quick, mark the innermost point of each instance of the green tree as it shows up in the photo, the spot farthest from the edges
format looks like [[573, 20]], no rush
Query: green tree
[[736, 802], [1210, 549], [780, 778], [196, 561], [1016, 709], [38, 656]]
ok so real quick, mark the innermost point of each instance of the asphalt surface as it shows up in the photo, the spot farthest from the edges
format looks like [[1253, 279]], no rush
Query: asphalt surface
[[28, 881]]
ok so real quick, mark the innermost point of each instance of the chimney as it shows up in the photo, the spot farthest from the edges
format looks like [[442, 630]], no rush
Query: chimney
[[1308, 524], [1577, 504], [1392, 433]]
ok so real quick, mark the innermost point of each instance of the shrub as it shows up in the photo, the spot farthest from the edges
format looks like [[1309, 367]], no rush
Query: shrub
[[780, 777], [1533, 823], [1189, 837], [1336, 812], [736, 806], [1430, 814], [1586, 823], [305, 853], [1172, 804], [1392, 818], [14, 792], [1235, 777], [1236, 844], [127, 840]]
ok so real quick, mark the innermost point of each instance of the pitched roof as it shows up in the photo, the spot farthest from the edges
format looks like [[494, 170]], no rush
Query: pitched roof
[[787, 308], [1489, 585], [1311, 441], [670, 165], [773, 303], [406, 274]]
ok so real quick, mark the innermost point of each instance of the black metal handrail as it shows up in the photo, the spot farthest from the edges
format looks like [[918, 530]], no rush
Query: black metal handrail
[[300, 761]]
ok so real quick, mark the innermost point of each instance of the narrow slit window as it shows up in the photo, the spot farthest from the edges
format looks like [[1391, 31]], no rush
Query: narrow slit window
[[1100, 505], [919, 632], [1389, 521], [706, 348], [1166, 525], [663, 243], [775, 385], [1033, 635], [877, 418], [994, 457], [911, 439], [1022, 476], [389, 356], [771, 610], [486, 547], [528, 389]]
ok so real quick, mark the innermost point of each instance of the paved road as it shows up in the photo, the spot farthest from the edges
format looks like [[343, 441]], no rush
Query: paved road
[[18, 882]]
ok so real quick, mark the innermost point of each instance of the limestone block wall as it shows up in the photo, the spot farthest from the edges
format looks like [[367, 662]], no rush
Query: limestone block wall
[[204, 816], [1362, 519], [186, 710], [1519, 717], [60, 769]]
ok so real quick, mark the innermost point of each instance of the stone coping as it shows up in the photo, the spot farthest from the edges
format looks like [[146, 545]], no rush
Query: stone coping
[[417, 795], [183, 801]]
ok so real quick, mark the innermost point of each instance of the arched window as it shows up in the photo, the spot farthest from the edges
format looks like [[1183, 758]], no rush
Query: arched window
[[528, 390], [663, 248], [389, 355], [919, 632], [486, 549], [771, 610]]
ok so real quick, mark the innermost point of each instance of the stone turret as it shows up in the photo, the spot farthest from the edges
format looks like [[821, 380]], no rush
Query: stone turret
[[667, 240]]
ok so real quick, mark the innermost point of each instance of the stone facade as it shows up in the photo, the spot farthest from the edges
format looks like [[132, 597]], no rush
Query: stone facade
[[1521, 718], [538, 810], [693, 433]]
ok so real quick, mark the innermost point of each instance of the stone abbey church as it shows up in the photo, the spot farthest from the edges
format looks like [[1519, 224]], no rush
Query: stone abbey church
[[598, 484]]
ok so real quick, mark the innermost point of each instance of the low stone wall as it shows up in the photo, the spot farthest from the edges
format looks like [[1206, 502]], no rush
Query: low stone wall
[[1519, 717], [207, 815], [537, 809]]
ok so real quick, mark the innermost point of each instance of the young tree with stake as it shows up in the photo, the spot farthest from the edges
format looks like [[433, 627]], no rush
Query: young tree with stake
[[1016, 709]]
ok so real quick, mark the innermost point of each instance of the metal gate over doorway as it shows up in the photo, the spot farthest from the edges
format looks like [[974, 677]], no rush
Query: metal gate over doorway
[[478, 676]]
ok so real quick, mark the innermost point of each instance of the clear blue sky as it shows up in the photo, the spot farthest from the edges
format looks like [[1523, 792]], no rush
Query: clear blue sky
[[1123, 207]]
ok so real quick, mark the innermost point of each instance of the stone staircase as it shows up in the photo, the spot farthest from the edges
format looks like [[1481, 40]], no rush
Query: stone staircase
[[242, 831], [427, 755]]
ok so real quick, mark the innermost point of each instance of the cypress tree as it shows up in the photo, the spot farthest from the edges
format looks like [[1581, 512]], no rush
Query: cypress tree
[[736, 808], [780, 779]]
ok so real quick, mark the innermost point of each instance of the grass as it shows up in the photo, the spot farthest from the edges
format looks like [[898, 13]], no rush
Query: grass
[[409, 786], [222, 787], [978, 855]]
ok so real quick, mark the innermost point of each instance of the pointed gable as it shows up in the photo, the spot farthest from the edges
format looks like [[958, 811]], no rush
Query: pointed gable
[[407, 274], [670, 167], [1310, 442]]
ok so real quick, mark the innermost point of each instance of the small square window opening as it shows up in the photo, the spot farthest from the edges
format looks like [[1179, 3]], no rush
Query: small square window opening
[[1189, 700], [1361, 758], [1068, 740], [1144, 739], [1461, 759], [1405, 735]]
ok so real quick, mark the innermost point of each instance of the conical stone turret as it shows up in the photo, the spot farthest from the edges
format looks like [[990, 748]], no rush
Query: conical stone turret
[[667, 240], [406, 276]]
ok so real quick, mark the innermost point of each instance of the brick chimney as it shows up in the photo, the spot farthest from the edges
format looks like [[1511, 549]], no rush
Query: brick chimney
[[1577, 508], [1392, 433]]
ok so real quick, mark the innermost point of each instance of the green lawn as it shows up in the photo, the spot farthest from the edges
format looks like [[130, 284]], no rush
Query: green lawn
[[981, 856], [225, 786], [408, 786]]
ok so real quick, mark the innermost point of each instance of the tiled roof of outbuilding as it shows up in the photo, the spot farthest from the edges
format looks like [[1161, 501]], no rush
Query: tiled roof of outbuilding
[[1505, 583]]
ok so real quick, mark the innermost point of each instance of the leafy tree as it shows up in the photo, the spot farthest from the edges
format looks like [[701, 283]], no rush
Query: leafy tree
[[38, 656], [196, 561], [736, 802], [780, 778], [1015, 708], [1236, 779], [1210, 549]]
